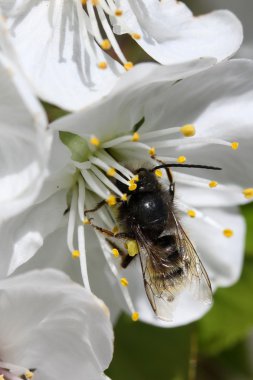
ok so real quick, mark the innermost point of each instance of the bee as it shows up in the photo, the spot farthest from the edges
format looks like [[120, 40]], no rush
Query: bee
[[169, 262]]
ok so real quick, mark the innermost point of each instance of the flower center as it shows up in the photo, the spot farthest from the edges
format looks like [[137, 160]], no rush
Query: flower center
[[9, 371], [99, 186], [97, 13]]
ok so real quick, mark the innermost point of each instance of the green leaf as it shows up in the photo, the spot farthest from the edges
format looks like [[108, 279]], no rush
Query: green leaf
[[76, 144], [145, 352], [247, 212], [231, 317]]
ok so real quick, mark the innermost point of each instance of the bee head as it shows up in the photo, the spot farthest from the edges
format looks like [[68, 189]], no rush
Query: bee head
[[147, 182]]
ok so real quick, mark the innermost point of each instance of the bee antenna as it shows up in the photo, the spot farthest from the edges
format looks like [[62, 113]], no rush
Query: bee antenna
[[185, 166]]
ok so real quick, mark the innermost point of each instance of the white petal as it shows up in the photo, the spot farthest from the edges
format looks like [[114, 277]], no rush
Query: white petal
[[219, 103], [55, 56], [42, 312], [179, 36], [115, 116], [24, 142], [23, 235]]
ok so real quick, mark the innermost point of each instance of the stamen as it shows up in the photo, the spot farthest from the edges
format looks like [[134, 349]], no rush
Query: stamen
[[132, 186], [71, 221], [135, 316], [81, 197], [124, 281], [111, 172], [111, 162], [95, 184], [136, 36], [118, 12], [235, 145], [102, 65], [75, 254], [106, 181], [124, 197], [191, 213], [136, 136], [132, 247], [128, 65], [248, 193], [94, 141], [213, 184], [86, 221], [115, 252], [103, 165], [106, 45], [83, 263], [188, 130], [117, 141], [158, 173], [152, 151], [184, 142], [111, 200], [181, 159], [228, 233]]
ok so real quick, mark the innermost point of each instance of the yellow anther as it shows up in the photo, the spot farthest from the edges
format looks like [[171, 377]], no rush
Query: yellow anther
[[152, 151], [132, 247], [135, 178], [111, 200], [94, 141], [158, 173], [228, 233], [106, 44], [128, 65], [118, 12], [84, 2], [181, 159], [29, 374], [111, 172], [115, 229], [115, 252], [2, 377], [188, 130], [102, 65], [191, 213], [135, 316], [248, 193], [95, 2], [75, 254], [213, 184], [124, 197], [124, 281], [235, 145], [132, 186], [86, 221], [136, 36], [136, 137]]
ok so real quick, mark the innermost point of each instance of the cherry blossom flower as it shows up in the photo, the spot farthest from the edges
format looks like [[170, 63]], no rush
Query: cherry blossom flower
[[52, 328], [65, 55], [202, 119]]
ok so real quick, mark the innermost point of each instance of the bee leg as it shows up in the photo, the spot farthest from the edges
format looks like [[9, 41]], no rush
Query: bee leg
[[104, 231], [126, 260], [98, 206], [123, 235]]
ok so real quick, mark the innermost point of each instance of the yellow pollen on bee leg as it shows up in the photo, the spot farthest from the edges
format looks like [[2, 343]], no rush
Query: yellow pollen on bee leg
[[132, 247], [106, 44], [135, 316], [124, 197], [29, 374], [136, 137], [248, 193], [111, 172], [124, 281], [228, 233], [235, 145], [158, 173], [86, 221], [181, 159], [115, 252], [191, 213], [212, 184], [118, 12], [188, 130], [75, 254], [128, 65], [94, 141], [152, 151], [102, 65], [111, 200], [136, 36]]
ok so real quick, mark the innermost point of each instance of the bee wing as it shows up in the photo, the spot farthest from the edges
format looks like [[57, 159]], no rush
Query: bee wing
[[163, 288]]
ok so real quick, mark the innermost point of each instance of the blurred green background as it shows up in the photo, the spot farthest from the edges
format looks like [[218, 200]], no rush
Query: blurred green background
[[220, 345]]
